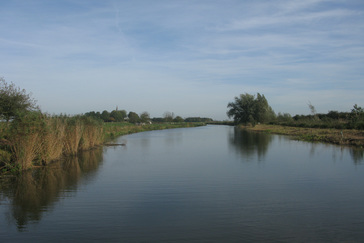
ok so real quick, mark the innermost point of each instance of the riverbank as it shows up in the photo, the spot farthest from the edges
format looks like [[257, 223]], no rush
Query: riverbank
[[116, 129], [334, 136]]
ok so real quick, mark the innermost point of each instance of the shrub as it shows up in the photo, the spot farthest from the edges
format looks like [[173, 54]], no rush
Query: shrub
[[359, 125]]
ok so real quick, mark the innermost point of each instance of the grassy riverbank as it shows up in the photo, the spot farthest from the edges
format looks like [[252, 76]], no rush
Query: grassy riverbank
[[334, 136], [116, 129], [37, 139]]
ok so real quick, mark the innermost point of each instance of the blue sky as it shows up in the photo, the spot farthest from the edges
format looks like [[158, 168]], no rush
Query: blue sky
[[187, 57]]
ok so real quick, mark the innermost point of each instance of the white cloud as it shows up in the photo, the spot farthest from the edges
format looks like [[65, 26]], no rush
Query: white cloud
[[187, 58]]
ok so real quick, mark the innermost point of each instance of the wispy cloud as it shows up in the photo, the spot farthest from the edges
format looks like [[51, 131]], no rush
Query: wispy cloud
[[161, 55], [287, 20]]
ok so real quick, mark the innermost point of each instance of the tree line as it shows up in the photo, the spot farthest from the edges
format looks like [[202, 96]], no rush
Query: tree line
[[250, 109], [15, 101], [133, 117]]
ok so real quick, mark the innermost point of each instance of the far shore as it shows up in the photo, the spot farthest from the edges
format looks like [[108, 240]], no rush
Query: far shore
[[334, 136]]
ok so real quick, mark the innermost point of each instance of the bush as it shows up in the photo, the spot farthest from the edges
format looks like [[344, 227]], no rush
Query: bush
[[339, 126], [14, 101], [324, 126], [359, 125], [5, 157]]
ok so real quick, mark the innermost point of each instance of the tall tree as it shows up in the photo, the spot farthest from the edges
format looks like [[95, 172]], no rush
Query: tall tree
[[145, 117], [117, 115], [312, 108], [105, 115], [168, 116], [14, 101], [357, 113], [133, 117], [250, 109]]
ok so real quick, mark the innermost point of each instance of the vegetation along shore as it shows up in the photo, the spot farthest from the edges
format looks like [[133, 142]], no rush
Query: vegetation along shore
[[31, 138], [254, 113], [350, 137], [37, 139]]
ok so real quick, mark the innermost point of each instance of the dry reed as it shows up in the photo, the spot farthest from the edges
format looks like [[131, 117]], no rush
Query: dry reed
[[53, 139], [36, 138], [74, 130], [25, 150]]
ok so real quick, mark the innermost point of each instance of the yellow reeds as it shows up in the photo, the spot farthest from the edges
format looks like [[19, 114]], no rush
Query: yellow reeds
[[92, 134], [25, 139], [53, 139], [36, 138], [74, 129], [25, 149]]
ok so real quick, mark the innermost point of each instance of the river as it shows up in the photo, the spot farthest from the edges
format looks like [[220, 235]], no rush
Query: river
[[203, 184]]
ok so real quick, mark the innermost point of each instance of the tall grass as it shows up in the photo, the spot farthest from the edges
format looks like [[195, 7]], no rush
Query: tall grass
[[74, 129], [53, 139], [25, 139], [93, 133], [35, 138]]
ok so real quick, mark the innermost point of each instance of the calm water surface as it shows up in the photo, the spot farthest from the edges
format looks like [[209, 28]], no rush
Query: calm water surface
[[205, 184]]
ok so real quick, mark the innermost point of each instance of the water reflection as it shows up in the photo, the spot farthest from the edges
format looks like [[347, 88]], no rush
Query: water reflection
[[35, 192], [248, 143], [357, 155], [194, 188], [338, 152]]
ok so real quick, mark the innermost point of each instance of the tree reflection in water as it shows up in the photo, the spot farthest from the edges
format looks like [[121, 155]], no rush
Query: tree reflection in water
[[249, 143], [357, 154], [36, 191]]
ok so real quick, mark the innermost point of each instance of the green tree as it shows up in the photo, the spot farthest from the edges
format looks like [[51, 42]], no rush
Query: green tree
[[93, 114], [133, 117], [105, 115], [168, 116], [263, 112], [285, 117], [14, 101], [117, 115], [250, 109], [312, 108], [357, 114], [198, 119], [333, 115], [145, 117], [178, 119]]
